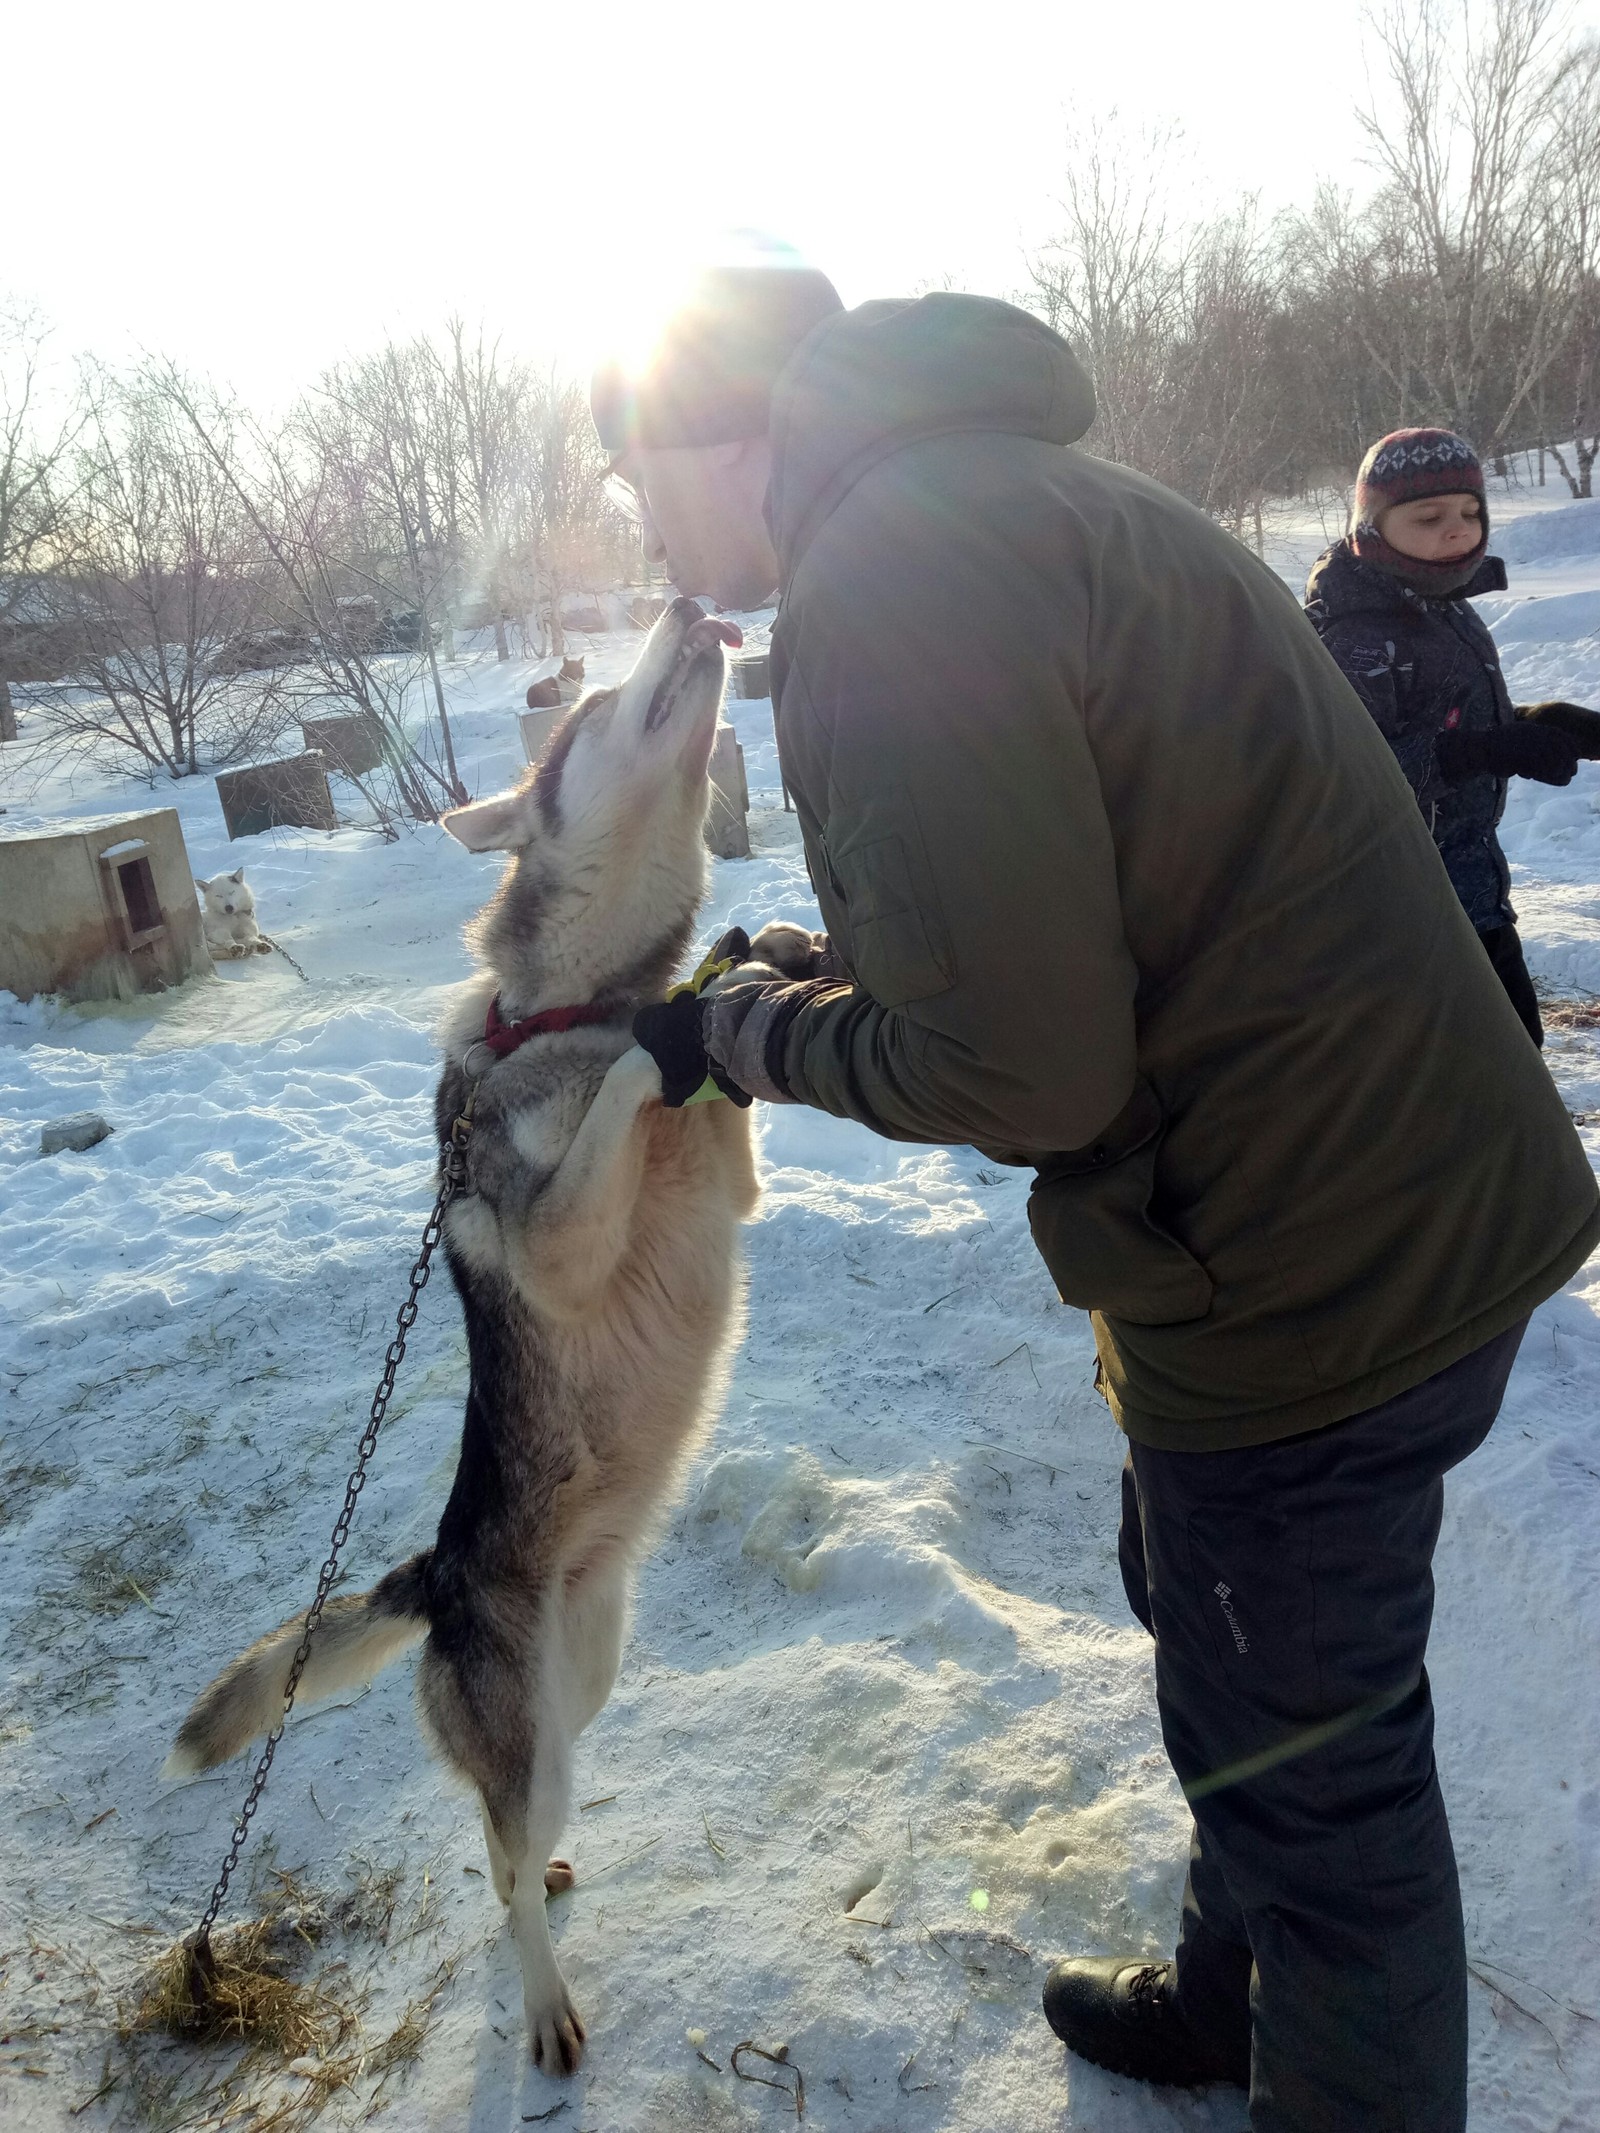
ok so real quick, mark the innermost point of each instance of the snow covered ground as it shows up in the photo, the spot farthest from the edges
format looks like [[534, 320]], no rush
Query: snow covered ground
[[884, 1740]]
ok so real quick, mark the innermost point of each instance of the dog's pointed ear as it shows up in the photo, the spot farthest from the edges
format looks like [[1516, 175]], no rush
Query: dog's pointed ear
[[503, 823], [237, 874]]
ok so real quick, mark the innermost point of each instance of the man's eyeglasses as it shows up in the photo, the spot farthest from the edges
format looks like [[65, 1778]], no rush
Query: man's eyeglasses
[[623, 495]]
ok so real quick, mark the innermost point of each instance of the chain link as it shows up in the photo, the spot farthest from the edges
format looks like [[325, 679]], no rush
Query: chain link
[[452, 1177], [280, 949]]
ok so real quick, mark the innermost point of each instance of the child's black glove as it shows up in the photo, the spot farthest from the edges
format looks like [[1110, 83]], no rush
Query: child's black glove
[[1525, 750], [1581, 727]]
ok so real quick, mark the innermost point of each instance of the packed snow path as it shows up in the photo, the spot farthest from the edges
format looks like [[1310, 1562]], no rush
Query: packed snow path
[[884, 1740]]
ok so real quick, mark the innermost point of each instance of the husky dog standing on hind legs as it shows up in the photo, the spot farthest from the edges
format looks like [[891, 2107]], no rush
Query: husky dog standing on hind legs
[[596, 1253]]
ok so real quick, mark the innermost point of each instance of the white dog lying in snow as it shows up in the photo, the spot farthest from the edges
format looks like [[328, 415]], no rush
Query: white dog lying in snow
[[228, 914]]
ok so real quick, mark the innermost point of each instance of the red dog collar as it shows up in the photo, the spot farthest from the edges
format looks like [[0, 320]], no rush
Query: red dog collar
[[503, 1037]]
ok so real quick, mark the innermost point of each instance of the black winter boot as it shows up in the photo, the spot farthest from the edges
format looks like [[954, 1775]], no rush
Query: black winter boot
[[1119, 2012]]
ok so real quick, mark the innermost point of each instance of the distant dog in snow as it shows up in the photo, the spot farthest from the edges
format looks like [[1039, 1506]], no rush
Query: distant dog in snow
[[557, 689], [228, 917], [595, 1248]]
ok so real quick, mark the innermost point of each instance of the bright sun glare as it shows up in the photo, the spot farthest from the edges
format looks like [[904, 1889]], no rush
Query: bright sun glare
[[622, 309], [571, 166]]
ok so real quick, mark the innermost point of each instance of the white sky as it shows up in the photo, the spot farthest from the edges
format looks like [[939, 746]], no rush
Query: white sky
[[258, 190]]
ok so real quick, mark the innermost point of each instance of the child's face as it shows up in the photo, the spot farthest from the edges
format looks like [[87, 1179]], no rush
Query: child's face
[[1433, 529]]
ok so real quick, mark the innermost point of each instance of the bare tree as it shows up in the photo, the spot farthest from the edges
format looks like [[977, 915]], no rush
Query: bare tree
[[1111, 281], [368, 428], [1576, 206], [563, 533], [317, 589], [490, 399], [1468, 146], [32, 449], [1178, 322], [1231, 359], [154, 585]]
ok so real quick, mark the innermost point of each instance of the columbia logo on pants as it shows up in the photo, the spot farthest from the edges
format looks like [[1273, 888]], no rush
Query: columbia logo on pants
[[1225, 1594]]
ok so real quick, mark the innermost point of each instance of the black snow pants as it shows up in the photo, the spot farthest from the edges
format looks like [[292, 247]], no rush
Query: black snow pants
[[1289, 1589], [1504, 945]]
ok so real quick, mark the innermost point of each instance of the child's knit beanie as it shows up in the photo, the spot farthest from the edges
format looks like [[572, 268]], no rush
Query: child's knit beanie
[[1401, 467]]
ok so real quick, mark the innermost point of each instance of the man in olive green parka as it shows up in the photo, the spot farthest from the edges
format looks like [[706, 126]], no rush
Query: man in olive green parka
[[1121, 882]]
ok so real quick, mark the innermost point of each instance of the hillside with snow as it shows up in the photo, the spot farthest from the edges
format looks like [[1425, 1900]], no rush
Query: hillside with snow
[[884, 1742]]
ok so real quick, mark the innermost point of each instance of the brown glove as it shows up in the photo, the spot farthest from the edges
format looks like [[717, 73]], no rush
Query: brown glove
[[797, 953], [1581, 727]]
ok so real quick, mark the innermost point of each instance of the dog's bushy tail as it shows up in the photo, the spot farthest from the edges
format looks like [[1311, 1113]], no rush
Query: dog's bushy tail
[[359, 1634]]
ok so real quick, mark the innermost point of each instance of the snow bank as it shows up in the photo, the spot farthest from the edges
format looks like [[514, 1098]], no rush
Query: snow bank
[[1544, 621], [1538, 537]]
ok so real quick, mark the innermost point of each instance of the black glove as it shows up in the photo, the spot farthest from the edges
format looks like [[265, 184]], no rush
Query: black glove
[[670, 1033], [1581, 727], [732, 946], [1525, 750]]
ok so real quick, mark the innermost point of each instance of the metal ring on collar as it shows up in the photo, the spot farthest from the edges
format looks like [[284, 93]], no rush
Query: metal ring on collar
[[473, 1073]]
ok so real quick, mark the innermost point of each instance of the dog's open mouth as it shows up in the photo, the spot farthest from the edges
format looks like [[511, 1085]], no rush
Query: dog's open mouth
[[703, 640]]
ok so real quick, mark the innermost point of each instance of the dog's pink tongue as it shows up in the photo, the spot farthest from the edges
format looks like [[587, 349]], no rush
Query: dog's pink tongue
[[711, 629]]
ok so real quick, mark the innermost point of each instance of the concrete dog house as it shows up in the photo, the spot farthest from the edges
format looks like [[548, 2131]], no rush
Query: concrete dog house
[[103, 911]]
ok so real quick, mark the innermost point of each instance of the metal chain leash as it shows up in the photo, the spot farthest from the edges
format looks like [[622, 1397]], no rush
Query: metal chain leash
[[452, 1176], [278, 948]]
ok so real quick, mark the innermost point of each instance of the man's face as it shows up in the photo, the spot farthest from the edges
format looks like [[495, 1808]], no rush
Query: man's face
[[1434, 529], [700, 514]]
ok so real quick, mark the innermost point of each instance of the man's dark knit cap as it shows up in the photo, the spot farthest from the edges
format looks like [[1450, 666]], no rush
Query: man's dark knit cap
[[710, 376]]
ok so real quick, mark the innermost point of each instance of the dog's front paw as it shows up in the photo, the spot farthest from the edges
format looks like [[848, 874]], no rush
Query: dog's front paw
[[556, 2037], [637, 1075]]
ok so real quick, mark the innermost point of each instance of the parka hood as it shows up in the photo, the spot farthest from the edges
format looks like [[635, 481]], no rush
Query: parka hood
[[889, 373]]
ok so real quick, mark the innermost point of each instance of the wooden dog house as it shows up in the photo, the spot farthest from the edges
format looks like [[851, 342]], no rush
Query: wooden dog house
[[290, 793], [537, 727], [103, 911], [727, 826], [752, 677], [352, 741]]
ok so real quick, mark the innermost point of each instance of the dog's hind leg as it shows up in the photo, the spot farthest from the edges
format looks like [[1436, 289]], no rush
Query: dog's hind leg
[[499, 1865], [593, 1624], [558, 1874], [486, 1716], [556, 2033]]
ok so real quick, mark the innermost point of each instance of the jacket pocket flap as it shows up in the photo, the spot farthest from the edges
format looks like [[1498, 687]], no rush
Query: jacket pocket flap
[[899, 948], [1105, 1251]]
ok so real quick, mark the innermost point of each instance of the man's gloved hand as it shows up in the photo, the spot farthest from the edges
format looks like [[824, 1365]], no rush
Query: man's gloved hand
[[1581, 727], [671, 1034], [739, 1025], [1527, 749], [732, 1029]]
